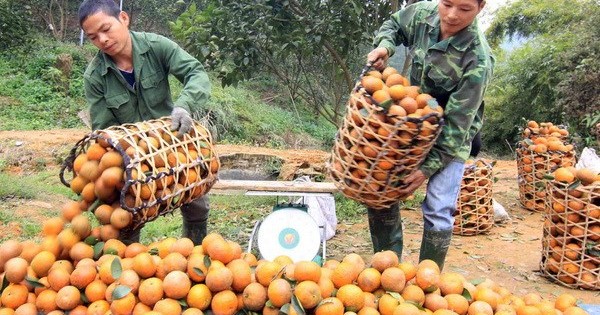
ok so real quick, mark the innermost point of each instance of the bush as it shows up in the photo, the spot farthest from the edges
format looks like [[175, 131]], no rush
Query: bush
[[16, 25]]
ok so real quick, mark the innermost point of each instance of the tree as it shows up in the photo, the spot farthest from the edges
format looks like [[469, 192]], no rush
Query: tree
[[16, 21], [153, 15], [313, 48], [552, 76]]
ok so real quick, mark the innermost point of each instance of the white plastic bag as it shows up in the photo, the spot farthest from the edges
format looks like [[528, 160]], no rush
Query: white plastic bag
[[589, 159], [321, 209], [500, 213]]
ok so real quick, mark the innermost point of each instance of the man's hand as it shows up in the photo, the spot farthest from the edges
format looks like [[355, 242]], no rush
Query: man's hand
[[181, 120], [414, 180], [378, 58]]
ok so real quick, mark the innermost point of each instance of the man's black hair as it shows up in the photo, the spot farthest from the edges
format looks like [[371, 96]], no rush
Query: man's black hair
[[90, 7]]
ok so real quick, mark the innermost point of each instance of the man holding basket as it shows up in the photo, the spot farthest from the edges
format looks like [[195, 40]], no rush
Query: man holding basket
[[127, 82], [452, 62]]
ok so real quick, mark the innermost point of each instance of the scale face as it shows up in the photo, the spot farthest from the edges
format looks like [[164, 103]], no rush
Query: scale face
[[289, 232]]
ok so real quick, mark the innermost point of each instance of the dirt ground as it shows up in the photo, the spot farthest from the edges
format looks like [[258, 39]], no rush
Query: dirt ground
[[509, 254]]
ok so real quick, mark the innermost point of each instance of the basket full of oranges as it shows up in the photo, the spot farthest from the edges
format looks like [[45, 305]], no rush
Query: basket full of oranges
[[474, 208], [571, 233], [144, 168], [388, 129], [544, 148]]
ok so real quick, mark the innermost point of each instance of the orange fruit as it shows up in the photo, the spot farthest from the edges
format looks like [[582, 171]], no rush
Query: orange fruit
[[371, 84], [409, 104], [254, 296], [344, 273], [42, 262], [150, 291], [307, 270], [219, 279], [144, 265], [457, 303], [427, 278], [351, 296], [267, 271], [394, 79], [435, 302], [393, 279], [242, 274], [330, 306], [124, 305], [53, 226], [565, 301], [279, 292], [397, 92], [176, 284], [14, 295], [15, 269], [308, 294], [68, 297], [369, 280], [45, 301], [224, 303], [384, 259], [406, 309], [199, 297], [167, 306]]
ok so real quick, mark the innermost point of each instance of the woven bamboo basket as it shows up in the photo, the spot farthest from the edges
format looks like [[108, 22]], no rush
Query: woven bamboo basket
[[374, 151], [532, 167], [160, 171], [571, 237], [474, 208]]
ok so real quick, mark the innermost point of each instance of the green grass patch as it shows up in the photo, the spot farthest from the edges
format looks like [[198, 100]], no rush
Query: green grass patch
[[32, 186]]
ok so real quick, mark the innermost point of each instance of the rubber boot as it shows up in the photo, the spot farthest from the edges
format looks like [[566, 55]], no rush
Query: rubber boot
[[196, 231], [435, 245], [129, 237], [386, 230]]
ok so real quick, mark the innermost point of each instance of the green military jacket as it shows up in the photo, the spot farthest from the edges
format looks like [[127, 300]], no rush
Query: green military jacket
[[112, 101], [455, 71]]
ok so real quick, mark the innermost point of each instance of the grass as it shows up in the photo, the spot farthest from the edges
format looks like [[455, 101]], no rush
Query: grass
[[32, 186]]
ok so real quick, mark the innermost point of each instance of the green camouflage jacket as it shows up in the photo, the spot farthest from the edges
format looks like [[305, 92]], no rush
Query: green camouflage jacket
[[113, 101], [455, 71]]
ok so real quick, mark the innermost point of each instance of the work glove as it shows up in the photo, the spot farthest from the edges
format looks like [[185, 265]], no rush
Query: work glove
[[181, 120]]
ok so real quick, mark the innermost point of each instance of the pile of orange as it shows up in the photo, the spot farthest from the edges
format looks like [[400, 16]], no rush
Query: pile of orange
[[388, 130], [544, 129], [128, 175], [172, 276], [474, 208], [571, 250], [543, 149]]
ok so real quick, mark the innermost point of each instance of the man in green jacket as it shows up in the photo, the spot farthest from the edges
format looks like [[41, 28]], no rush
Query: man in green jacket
[[127, 82], [452, 62]]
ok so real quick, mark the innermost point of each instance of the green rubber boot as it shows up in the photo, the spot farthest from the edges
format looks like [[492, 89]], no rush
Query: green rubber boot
[[196, 231], [129, 237], [435, 246], [386, 230]]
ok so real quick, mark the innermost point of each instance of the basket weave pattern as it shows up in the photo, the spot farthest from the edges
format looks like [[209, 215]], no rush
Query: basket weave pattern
[[373, 152], [474, 208], [532, 167], [161, 171], [571, 237]]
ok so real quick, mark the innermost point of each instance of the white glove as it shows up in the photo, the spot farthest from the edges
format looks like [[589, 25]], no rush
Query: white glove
[[181, 120]]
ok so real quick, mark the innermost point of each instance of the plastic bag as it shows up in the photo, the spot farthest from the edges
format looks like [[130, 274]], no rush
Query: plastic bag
[[321, 209], [589, 159], [500, 213]]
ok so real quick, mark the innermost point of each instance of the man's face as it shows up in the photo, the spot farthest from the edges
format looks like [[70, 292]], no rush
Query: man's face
[[109, 34], [455, 15]]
